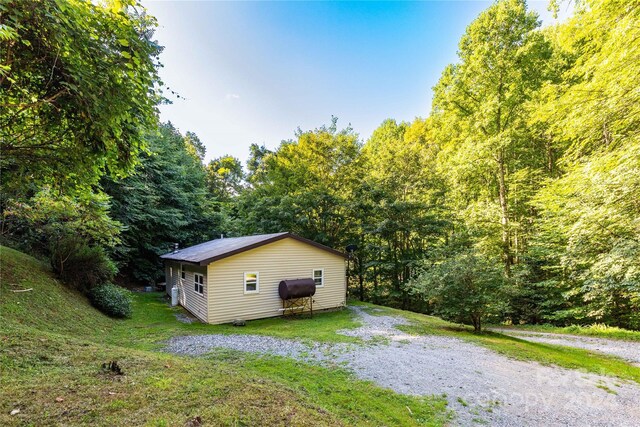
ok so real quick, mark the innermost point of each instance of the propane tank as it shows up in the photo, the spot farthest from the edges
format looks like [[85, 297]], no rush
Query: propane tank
[[174, 296]]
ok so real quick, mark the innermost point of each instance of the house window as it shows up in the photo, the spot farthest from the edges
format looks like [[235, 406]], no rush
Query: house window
[[318, 277], [251, 283], [198, 283], [182, 272]]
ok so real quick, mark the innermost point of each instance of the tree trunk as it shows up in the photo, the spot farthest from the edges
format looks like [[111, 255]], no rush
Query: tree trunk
[[360, 280], [375, 285], [475, 320], [506, 250], [550, 157]]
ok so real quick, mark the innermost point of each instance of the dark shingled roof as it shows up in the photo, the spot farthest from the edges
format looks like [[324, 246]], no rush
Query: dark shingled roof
[[207, 252]]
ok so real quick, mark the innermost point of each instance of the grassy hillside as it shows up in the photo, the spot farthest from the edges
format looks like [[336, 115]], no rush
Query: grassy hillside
[[53, 344], [48, 305]]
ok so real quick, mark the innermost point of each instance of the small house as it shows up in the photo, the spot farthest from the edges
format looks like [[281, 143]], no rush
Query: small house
[[238, 278]]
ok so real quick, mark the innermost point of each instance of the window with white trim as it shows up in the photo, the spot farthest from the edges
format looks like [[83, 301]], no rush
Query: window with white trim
[[318, 277], [183, 273], [251, 283], [198, 283]]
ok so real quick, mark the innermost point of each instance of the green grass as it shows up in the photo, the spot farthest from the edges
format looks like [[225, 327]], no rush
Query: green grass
[[595, 330], [549, 354], [52, 346], [52, 307], [58, 379], [154, 321], [48, 305], [337, 390], [429, 325], [462, 401]]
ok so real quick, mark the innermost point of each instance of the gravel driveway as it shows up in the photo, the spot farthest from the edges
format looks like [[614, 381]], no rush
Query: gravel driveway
[[628, 350], [480, 385]]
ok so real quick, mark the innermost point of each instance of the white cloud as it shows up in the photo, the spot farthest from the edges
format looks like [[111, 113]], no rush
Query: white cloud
[[231, 96]]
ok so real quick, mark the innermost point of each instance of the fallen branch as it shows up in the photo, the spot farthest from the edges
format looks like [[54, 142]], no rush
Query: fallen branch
[[21, 290]]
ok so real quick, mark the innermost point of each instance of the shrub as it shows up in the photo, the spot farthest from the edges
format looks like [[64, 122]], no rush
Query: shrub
[[80, 265], [112, 300], [464, 287]]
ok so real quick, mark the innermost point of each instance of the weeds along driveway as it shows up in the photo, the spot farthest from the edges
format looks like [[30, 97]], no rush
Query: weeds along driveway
[[627, 350], [482, 387]]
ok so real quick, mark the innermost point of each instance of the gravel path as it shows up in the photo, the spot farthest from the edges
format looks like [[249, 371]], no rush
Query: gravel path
[[197, 345], [628, 350], [480, 385]]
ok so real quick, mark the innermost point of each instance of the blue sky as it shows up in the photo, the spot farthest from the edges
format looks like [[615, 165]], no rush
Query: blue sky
[[256, 71]]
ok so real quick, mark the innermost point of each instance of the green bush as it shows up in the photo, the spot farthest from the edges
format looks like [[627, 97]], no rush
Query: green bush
[[465, 287], [80, 265], [112, 300]]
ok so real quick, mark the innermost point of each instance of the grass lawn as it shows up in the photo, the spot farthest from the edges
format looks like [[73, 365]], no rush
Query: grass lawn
[[596, 330], [53, 345], [58, 379], [154, 321]]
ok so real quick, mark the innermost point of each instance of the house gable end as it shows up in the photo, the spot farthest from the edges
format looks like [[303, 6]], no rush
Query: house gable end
[[271, 240]]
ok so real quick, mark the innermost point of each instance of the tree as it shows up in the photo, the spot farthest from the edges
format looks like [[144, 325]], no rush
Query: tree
[[588, 236], [405, 219], [78, 88], [464, 287], [225, 178], [74, 232], [164, 201], [256, 164], [195, 147], [490, 158], [305, 186]]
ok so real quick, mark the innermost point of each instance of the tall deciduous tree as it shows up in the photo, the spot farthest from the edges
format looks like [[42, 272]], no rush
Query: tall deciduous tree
[[195, 147], [492, 157], [589, 233], [304, 186], [225, 178], [405, 218], [78, 88]]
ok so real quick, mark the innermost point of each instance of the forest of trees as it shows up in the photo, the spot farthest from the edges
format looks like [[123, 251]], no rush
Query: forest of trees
[[517, 198]]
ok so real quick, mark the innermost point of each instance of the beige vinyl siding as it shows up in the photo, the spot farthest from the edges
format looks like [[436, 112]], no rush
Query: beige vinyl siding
[[284, 259], [188, 298]]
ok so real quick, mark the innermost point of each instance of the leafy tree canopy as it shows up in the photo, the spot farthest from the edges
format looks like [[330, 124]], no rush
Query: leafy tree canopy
[[164, 201], [78, 89]]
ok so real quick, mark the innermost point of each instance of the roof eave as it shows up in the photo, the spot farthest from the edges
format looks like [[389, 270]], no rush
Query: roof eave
[[167, 257]]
